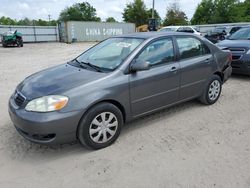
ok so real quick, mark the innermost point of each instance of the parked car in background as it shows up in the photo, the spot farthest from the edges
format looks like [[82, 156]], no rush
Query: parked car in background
[[116, 81], [232, 30], [239, 44], [12, 38], [186, 29], [216, 35]]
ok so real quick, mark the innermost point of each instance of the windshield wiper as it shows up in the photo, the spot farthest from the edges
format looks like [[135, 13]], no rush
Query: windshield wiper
[[98, 69], [80, 64]]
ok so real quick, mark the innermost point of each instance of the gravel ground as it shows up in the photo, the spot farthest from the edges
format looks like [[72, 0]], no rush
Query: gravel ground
[[186, 146]]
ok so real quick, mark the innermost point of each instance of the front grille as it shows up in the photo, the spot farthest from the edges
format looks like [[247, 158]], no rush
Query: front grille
[[19, 98], [237, 50], [236, 57]]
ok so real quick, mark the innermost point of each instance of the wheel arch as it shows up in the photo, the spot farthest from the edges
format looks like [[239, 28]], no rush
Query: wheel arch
[[112, 101], [220, 74]]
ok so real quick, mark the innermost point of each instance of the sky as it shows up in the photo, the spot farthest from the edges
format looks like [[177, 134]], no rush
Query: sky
[[35, 9]]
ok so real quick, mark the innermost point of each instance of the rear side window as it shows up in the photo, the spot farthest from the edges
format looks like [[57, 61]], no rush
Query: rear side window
[[185, 29], [191, 47], [158, 52]]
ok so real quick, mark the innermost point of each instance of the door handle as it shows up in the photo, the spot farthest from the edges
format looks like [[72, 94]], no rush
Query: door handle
[[173, 69]]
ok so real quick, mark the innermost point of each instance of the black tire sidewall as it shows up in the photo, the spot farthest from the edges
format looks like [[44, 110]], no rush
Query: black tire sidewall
[[19, 42], [214, 77], [83, 128]]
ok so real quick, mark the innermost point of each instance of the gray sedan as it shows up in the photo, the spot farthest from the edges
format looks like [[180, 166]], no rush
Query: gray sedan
[[116, 81]]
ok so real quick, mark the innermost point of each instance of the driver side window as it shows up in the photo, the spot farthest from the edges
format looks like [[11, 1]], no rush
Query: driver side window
[[158, 52]]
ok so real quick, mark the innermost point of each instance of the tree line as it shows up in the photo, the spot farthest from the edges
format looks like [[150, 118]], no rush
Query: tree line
[[26, 21], [207, 12], [221, 11]]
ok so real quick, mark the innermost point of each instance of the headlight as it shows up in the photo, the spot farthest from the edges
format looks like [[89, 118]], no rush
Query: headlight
[[47, 103], [248, 52]]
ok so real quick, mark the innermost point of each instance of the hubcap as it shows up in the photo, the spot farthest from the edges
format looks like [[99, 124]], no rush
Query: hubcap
[[214, 90], [103, 127]]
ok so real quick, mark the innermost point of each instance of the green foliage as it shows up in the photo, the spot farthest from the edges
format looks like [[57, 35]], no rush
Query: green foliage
[[136, 12], [27, 22], [204, 13], [79, 12], [156, 14], [221, 11], [110, 19], [7, 21], [225, 11], [175, 16]]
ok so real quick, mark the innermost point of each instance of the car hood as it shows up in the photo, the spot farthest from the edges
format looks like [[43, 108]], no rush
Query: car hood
[[234, 43], [56, 80]]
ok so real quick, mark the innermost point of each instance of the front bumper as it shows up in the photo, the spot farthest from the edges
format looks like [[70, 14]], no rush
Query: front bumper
[[45, 128], [242, 65]]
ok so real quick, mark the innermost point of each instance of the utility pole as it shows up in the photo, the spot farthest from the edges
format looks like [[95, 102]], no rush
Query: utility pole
[[49, 17], [153, 10]]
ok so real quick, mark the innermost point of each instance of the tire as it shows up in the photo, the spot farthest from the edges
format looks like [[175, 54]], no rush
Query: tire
[[93, 122], [19, 42], [212, 91]]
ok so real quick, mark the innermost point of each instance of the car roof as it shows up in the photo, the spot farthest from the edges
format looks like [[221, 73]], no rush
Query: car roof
[[172, 26], [245, 26], [153, 34]]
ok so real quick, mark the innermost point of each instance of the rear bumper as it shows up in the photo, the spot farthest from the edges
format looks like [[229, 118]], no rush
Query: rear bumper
[[45, 128], [242, 66]]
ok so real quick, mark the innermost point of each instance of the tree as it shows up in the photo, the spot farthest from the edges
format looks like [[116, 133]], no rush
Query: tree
[[110, 19], [204, 13], [136, 12], [79, 12], [175, 16], [156, 14], [7, 21], [25, 21], [225, 11], [221, 11]]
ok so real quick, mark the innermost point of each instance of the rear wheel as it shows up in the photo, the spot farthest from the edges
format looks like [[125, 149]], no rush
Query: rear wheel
[[100, 126], [212, 91]]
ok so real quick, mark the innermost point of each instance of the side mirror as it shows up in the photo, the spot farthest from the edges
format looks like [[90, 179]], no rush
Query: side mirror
[[141, 66]]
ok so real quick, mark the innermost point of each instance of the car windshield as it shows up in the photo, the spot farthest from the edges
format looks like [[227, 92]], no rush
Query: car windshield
[[110, 53], [242, 34]]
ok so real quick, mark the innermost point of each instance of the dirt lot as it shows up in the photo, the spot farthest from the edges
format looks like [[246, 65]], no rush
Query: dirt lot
[[187, 146]]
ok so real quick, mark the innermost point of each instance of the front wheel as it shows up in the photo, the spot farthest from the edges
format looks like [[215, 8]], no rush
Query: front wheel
[[100, 126], [212, 90]]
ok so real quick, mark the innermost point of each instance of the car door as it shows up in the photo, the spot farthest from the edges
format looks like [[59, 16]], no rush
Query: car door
[[195, 64], [159, 86]]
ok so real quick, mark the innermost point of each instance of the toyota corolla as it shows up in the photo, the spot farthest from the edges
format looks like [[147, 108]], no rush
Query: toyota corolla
[[116, 81]]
